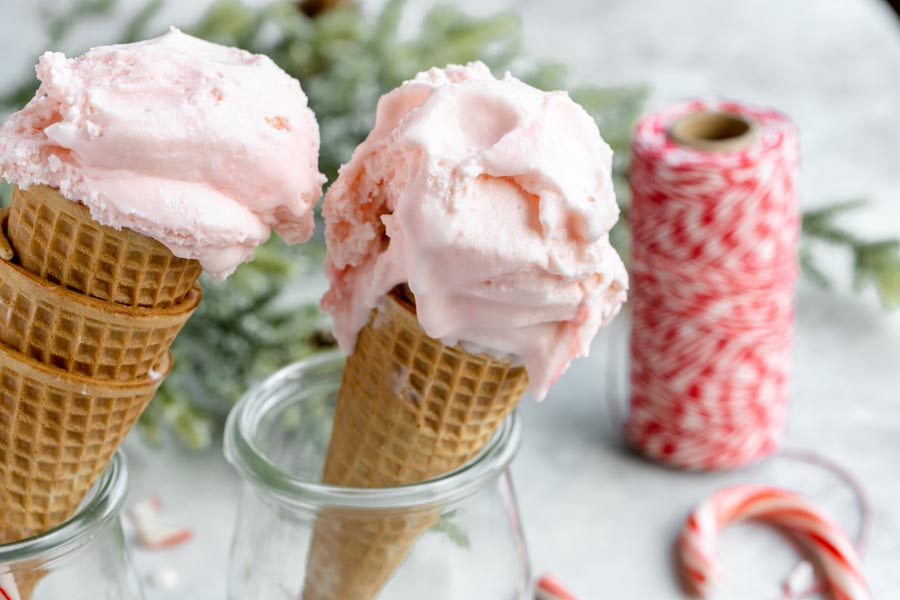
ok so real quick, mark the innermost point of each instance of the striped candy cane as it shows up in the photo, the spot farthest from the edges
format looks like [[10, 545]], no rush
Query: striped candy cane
[[827, 543], [550, 588], [8, 589]]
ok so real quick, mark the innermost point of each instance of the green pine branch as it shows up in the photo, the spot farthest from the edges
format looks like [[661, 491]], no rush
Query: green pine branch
[[875, 262], [448, 526], [60, 24], [137, 27]]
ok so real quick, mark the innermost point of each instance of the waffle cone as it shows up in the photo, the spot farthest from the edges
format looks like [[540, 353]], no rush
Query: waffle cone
[[83, 335], [409, 409], [58, 432], [57, 240], [23, 582]]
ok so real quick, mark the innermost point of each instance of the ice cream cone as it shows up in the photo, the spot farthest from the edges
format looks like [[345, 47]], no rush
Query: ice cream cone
[[354, 553], [80, 334], [409, 409], [58, 431], [56, 239], [89, 308], [20, 585]]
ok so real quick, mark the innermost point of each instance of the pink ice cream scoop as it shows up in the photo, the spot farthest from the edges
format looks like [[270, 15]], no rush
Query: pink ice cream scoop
[[202, 147], [493, 201]]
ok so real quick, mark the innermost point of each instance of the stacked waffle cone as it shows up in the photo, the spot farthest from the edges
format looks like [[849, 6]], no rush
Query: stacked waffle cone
[[88, 315], [409, 409], [57, 240]]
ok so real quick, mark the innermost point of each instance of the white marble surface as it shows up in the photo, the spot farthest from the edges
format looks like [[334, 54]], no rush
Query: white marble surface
[[600, 518]]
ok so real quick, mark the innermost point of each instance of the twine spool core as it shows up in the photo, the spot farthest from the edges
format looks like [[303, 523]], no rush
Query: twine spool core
[[714, 131]]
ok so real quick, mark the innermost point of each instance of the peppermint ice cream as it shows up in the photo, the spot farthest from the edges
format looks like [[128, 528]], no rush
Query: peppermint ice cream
[[492, 201], [202, 147]]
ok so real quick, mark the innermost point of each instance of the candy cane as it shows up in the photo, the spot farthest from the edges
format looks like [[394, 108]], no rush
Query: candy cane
[[550, 588], [8, 589], [829, 546], [153, 532]]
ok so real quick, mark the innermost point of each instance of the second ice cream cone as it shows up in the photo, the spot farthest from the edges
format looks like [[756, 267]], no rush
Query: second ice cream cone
[[492, 200], [409, 409], [56, 239]]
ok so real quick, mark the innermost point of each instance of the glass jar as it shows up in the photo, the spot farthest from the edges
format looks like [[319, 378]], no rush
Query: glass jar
[[85, 558], [471, 546]]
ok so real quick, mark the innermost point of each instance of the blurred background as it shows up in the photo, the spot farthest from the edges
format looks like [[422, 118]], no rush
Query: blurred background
[[598, 516]]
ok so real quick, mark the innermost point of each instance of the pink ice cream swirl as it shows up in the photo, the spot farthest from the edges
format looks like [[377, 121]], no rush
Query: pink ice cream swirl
[[202, 147], [493, 201]]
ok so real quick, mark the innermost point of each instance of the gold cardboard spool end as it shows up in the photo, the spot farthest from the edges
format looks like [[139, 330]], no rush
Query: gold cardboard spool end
[[714, 131]]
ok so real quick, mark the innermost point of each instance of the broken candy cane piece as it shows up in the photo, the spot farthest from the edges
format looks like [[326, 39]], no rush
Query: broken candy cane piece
[[550, 588], [152, 531], [155, 534]]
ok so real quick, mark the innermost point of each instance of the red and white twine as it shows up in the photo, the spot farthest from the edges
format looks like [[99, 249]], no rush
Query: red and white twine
[[714, 265], [828, 545]]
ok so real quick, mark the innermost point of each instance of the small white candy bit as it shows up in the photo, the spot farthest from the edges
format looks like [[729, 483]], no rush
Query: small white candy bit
[[800, 581], [550, 588], [163, 578], [54, 163], [145, 509]]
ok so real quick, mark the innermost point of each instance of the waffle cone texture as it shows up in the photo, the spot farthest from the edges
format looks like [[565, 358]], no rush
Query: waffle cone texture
[[409, 409], [79, 334], [58, 432], [87, 316], [57, 240]]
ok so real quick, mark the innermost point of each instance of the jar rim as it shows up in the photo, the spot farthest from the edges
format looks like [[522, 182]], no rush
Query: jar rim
[[254, 466], [102, 504]]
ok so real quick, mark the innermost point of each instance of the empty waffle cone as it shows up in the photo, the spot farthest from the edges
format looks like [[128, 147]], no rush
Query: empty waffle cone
[[58, 432], [56, 239], [409, 409], [80, 334]]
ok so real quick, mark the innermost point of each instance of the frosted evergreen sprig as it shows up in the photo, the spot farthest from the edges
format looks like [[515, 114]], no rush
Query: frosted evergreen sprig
[[875, 262]]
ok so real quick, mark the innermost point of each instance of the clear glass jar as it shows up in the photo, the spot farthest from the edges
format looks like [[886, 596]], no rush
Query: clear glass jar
[[276, 438], [85, 558]]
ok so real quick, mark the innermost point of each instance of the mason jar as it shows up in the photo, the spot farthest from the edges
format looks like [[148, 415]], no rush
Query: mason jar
[[85, 558], [466, 541]]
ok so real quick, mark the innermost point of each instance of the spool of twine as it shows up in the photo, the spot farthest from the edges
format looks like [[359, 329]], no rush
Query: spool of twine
[[715, 228]]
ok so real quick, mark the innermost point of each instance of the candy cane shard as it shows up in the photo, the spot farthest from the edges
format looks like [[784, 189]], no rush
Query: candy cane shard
[[8, 589], [828, 544], [153, 532], [550, 588]]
